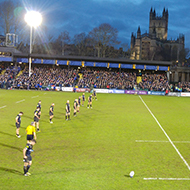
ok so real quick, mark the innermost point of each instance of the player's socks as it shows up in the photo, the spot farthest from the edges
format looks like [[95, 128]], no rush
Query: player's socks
[[28, 167], [50, 119], [69, 117], [66, 117], [25, 169]]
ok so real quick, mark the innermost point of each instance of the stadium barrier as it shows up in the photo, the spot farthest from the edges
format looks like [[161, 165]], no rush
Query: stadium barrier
[[116, 91], [156, 93], [67, 89], [81, 89], [185, 94], [174, 94], [136, 92]]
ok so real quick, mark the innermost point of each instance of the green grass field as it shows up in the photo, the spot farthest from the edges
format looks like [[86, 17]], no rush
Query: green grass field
[[97, 149]]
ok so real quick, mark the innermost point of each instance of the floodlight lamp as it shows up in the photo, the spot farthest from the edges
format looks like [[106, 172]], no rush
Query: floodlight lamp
[[33, 18]]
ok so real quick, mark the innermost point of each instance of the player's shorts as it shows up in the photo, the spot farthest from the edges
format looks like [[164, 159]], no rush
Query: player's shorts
[[67, 112], [28, 159], [29, 137], [36, 119], [17, 125], [50, 113]]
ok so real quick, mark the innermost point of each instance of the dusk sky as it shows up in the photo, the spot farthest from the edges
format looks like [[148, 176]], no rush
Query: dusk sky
[[77, 16]]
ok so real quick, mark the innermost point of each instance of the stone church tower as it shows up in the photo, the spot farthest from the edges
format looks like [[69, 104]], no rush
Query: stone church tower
[[159, 24], [144, 46]]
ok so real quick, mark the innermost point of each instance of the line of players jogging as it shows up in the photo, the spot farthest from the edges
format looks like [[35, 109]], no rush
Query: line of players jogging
[[31, 129], [77, 103]]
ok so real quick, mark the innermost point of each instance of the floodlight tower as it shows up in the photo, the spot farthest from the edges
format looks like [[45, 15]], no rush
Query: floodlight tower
[[33, 19]]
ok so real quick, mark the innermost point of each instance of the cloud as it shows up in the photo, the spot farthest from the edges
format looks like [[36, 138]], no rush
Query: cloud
[[124, 15]]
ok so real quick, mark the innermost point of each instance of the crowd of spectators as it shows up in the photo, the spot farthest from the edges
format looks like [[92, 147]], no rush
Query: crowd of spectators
[[8, 75], [48, 76], [154, 82]]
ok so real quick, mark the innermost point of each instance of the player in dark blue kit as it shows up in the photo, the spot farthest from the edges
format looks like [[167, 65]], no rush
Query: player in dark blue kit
[[18, 122], [94, 95], [83, 99], [75, 105], [51, 109], [37, 114], [27, 157], [68, 110], [79, 103], [39, 105], [89, 101]]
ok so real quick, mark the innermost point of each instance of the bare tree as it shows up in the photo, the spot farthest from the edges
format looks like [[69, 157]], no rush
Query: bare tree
[[103, 36], [81, 42], [10, 16], [63, 40], [126, 50]]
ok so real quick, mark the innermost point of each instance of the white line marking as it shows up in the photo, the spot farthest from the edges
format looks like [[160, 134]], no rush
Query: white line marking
[[150, 141], [20, 101], [166, 134], [3, 107], [35, 96], [161, 141], [177, 179]]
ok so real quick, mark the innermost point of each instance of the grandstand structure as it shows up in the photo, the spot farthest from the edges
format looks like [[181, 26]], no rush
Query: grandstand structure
[[10, 55]]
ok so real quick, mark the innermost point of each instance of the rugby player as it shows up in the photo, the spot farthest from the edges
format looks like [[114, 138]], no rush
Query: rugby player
[[89, 102], [75, 105], [83, 99], [79, 103], [18, 122], [68, 110], [51, 109], [27, 156], [37, 114], [39, 105], [94, 95]]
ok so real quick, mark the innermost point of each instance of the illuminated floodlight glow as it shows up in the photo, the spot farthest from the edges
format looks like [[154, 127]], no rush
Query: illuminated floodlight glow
[[33, 18]]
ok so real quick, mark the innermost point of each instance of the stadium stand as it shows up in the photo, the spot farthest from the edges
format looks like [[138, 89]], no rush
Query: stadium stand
[[83, 78]]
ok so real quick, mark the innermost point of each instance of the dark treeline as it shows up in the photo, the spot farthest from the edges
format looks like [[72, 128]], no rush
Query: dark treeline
[[101, 41]]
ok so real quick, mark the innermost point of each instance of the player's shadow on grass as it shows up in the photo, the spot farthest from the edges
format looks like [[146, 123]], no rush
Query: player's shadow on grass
[[7, 134], [126, 175], [13, 125], [12, 147], [11, 171], [29, 117], [57, 117]]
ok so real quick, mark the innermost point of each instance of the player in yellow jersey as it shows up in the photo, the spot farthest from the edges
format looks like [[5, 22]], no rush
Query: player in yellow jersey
[[31, 132]]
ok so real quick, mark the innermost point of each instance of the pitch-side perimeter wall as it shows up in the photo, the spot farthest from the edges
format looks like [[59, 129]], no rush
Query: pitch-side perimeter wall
[[116, 91]]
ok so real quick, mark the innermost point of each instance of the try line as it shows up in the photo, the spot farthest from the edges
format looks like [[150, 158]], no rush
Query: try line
[[165, 134]]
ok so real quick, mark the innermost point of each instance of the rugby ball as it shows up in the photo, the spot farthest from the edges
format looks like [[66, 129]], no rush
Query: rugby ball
[[132, 173]]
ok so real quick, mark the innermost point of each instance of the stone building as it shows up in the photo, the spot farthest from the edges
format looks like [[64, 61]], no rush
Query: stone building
[[146, 46]]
